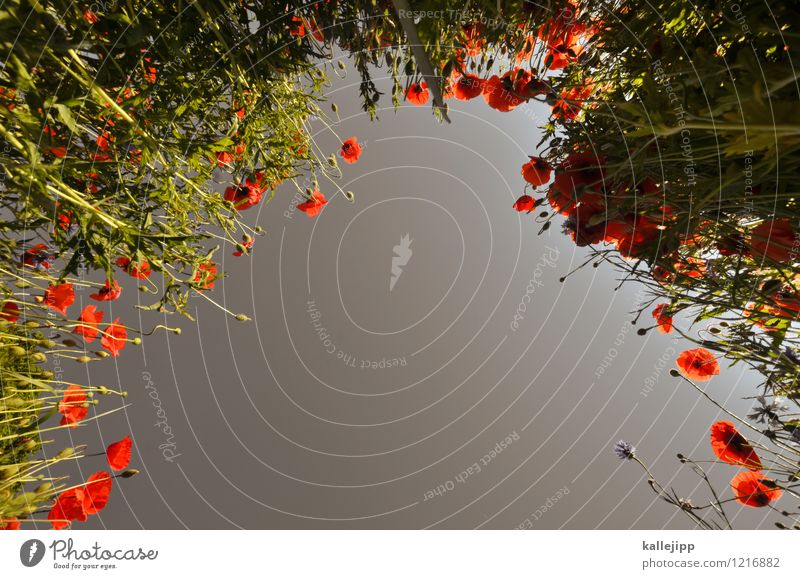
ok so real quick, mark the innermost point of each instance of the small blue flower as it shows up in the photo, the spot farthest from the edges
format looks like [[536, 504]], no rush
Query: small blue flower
[[624, 450]]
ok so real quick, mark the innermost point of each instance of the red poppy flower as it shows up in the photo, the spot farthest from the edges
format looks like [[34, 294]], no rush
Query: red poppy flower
[[773, 240], [137, 270], [525, 203], [69, 506], [632, 234], [97, 491], [663, 318], [571, 102], [351, 150], [536, 171], [533, 88], [78, 503], [297, 27], [108, 292], [64, 221], [10, 312], [90, 16], [10, 524], [205, 275], [89, 319], [558, 57], [118, 454], [103, 140], [732, 447], [247, 245], [417, 93], [224, 157], [698, 364], [315, 30], [73, 407], [60, 297], [472, 37], [246, 195], [577, 176], [38, 256], [501, 93], [587, 222], [753, 490], [114, 338], [313, 206], [468, 87]]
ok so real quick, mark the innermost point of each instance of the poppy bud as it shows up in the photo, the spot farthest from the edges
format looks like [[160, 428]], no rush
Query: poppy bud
[[47, 375], [242, 318], [176, 331], [341, 65], [335, 107], [47, 343], [14, 402], [101, 354], [84, 359], [103, 390], [641, 331], [18, 351], [31, 324], [66, 453], [258, 229], [8, 471], [29, 445], [137, 340], [714, 330], [22, 284], [70, 343], [129, 473], [38, 357], [43, 488], [674, 373], [349, 195]]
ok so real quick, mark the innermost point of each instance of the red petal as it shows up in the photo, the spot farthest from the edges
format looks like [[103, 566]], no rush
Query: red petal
[[118, 454]]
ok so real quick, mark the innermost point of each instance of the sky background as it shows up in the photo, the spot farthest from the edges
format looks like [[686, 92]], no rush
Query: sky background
[[392, 414]]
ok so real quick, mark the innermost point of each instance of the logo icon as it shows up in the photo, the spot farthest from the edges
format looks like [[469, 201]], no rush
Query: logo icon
[[31, 553], [402, 253]]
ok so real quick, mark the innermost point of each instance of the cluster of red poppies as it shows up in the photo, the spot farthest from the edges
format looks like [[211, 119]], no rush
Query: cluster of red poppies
[[78, 502], [750, 487]]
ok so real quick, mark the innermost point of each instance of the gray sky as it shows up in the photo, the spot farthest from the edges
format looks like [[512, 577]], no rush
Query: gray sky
[[346, 405]]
